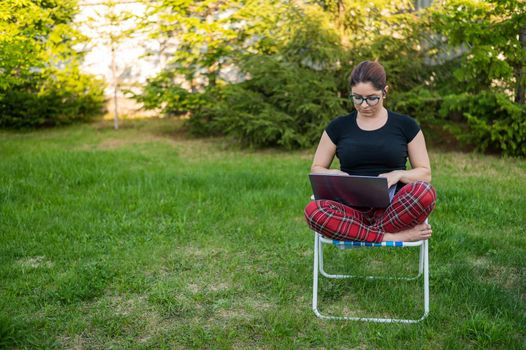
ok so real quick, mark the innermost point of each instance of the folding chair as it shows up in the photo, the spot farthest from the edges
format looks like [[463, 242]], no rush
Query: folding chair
[[423, 268]]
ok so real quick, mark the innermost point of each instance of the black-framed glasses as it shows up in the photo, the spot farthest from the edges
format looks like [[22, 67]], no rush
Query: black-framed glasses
[[371, 100]]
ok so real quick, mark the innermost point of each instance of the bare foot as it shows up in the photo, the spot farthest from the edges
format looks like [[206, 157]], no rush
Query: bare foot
[[417, 233]]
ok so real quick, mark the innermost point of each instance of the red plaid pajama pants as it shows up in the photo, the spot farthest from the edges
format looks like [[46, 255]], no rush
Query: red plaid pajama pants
[[410, 207]]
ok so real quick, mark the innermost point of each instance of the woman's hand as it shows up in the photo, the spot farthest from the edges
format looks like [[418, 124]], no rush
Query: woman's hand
[[392, 177], [319, 170]]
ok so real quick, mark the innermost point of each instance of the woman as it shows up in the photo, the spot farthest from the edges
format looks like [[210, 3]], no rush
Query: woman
[[373, 141]]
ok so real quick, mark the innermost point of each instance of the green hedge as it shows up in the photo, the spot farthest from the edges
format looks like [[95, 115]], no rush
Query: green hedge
[[488, 121], [283, 104], [494, 122], [59, 98]]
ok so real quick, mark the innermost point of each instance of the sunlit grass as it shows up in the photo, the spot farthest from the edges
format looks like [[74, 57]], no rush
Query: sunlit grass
[[145, 238]]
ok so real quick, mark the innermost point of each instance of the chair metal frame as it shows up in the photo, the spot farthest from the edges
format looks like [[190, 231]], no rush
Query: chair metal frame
[[423, 268]]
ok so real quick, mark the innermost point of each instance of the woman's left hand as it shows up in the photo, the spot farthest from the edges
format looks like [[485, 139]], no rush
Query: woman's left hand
[[392, 177]]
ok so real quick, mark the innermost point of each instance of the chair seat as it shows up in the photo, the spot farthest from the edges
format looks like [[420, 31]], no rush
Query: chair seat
[[357, 244]]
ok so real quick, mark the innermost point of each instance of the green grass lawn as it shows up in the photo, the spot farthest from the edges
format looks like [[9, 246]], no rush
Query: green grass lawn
[[145, 238]]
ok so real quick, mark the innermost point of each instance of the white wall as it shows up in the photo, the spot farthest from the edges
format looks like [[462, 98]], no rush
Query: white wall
[[133, 68]]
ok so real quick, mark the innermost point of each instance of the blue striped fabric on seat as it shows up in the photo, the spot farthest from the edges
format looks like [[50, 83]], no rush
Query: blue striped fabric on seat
[[354, 244]]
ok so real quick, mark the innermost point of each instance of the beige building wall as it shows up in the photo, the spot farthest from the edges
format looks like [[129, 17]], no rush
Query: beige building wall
[[137, 56]]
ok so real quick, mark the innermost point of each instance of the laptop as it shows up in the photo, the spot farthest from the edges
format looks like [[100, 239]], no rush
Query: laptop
[[353, 190]]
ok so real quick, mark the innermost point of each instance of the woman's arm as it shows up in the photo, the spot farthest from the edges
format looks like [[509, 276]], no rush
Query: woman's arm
[[420, 165], [324, 156]]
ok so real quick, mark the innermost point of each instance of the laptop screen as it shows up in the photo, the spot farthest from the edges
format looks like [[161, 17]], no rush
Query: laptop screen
[[352, 190]]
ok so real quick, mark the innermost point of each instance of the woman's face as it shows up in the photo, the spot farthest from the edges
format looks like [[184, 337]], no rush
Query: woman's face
[[367, 99]]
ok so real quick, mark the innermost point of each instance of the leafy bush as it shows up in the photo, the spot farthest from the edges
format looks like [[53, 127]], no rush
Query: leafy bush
[[50, 99], [283, 104], [162, 92], [494, 122], [419, 103], [40, 82], [490, 121]]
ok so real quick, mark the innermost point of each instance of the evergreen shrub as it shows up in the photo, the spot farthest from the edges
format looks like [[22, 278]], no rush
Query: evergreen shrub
[[162, 92], [494, 122], [419, 103], [52, 99], [489, 120], [282, 104]]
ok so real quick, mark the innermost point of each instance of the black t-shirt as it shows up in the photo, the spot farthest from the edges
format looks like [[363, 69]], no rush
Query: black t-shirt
[[374, 152]]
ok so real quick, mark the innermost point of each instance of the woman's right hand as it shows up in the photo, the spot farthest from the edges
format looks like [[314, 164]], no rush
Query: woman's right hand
[[320, 170]]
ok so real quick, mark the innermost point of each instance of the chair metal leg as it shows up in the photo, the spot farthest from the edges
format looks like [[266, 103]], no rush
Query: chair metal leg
[[320, 256], [315, 276], [425, 247], [421, 260], [318, 268], [422, 254]]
